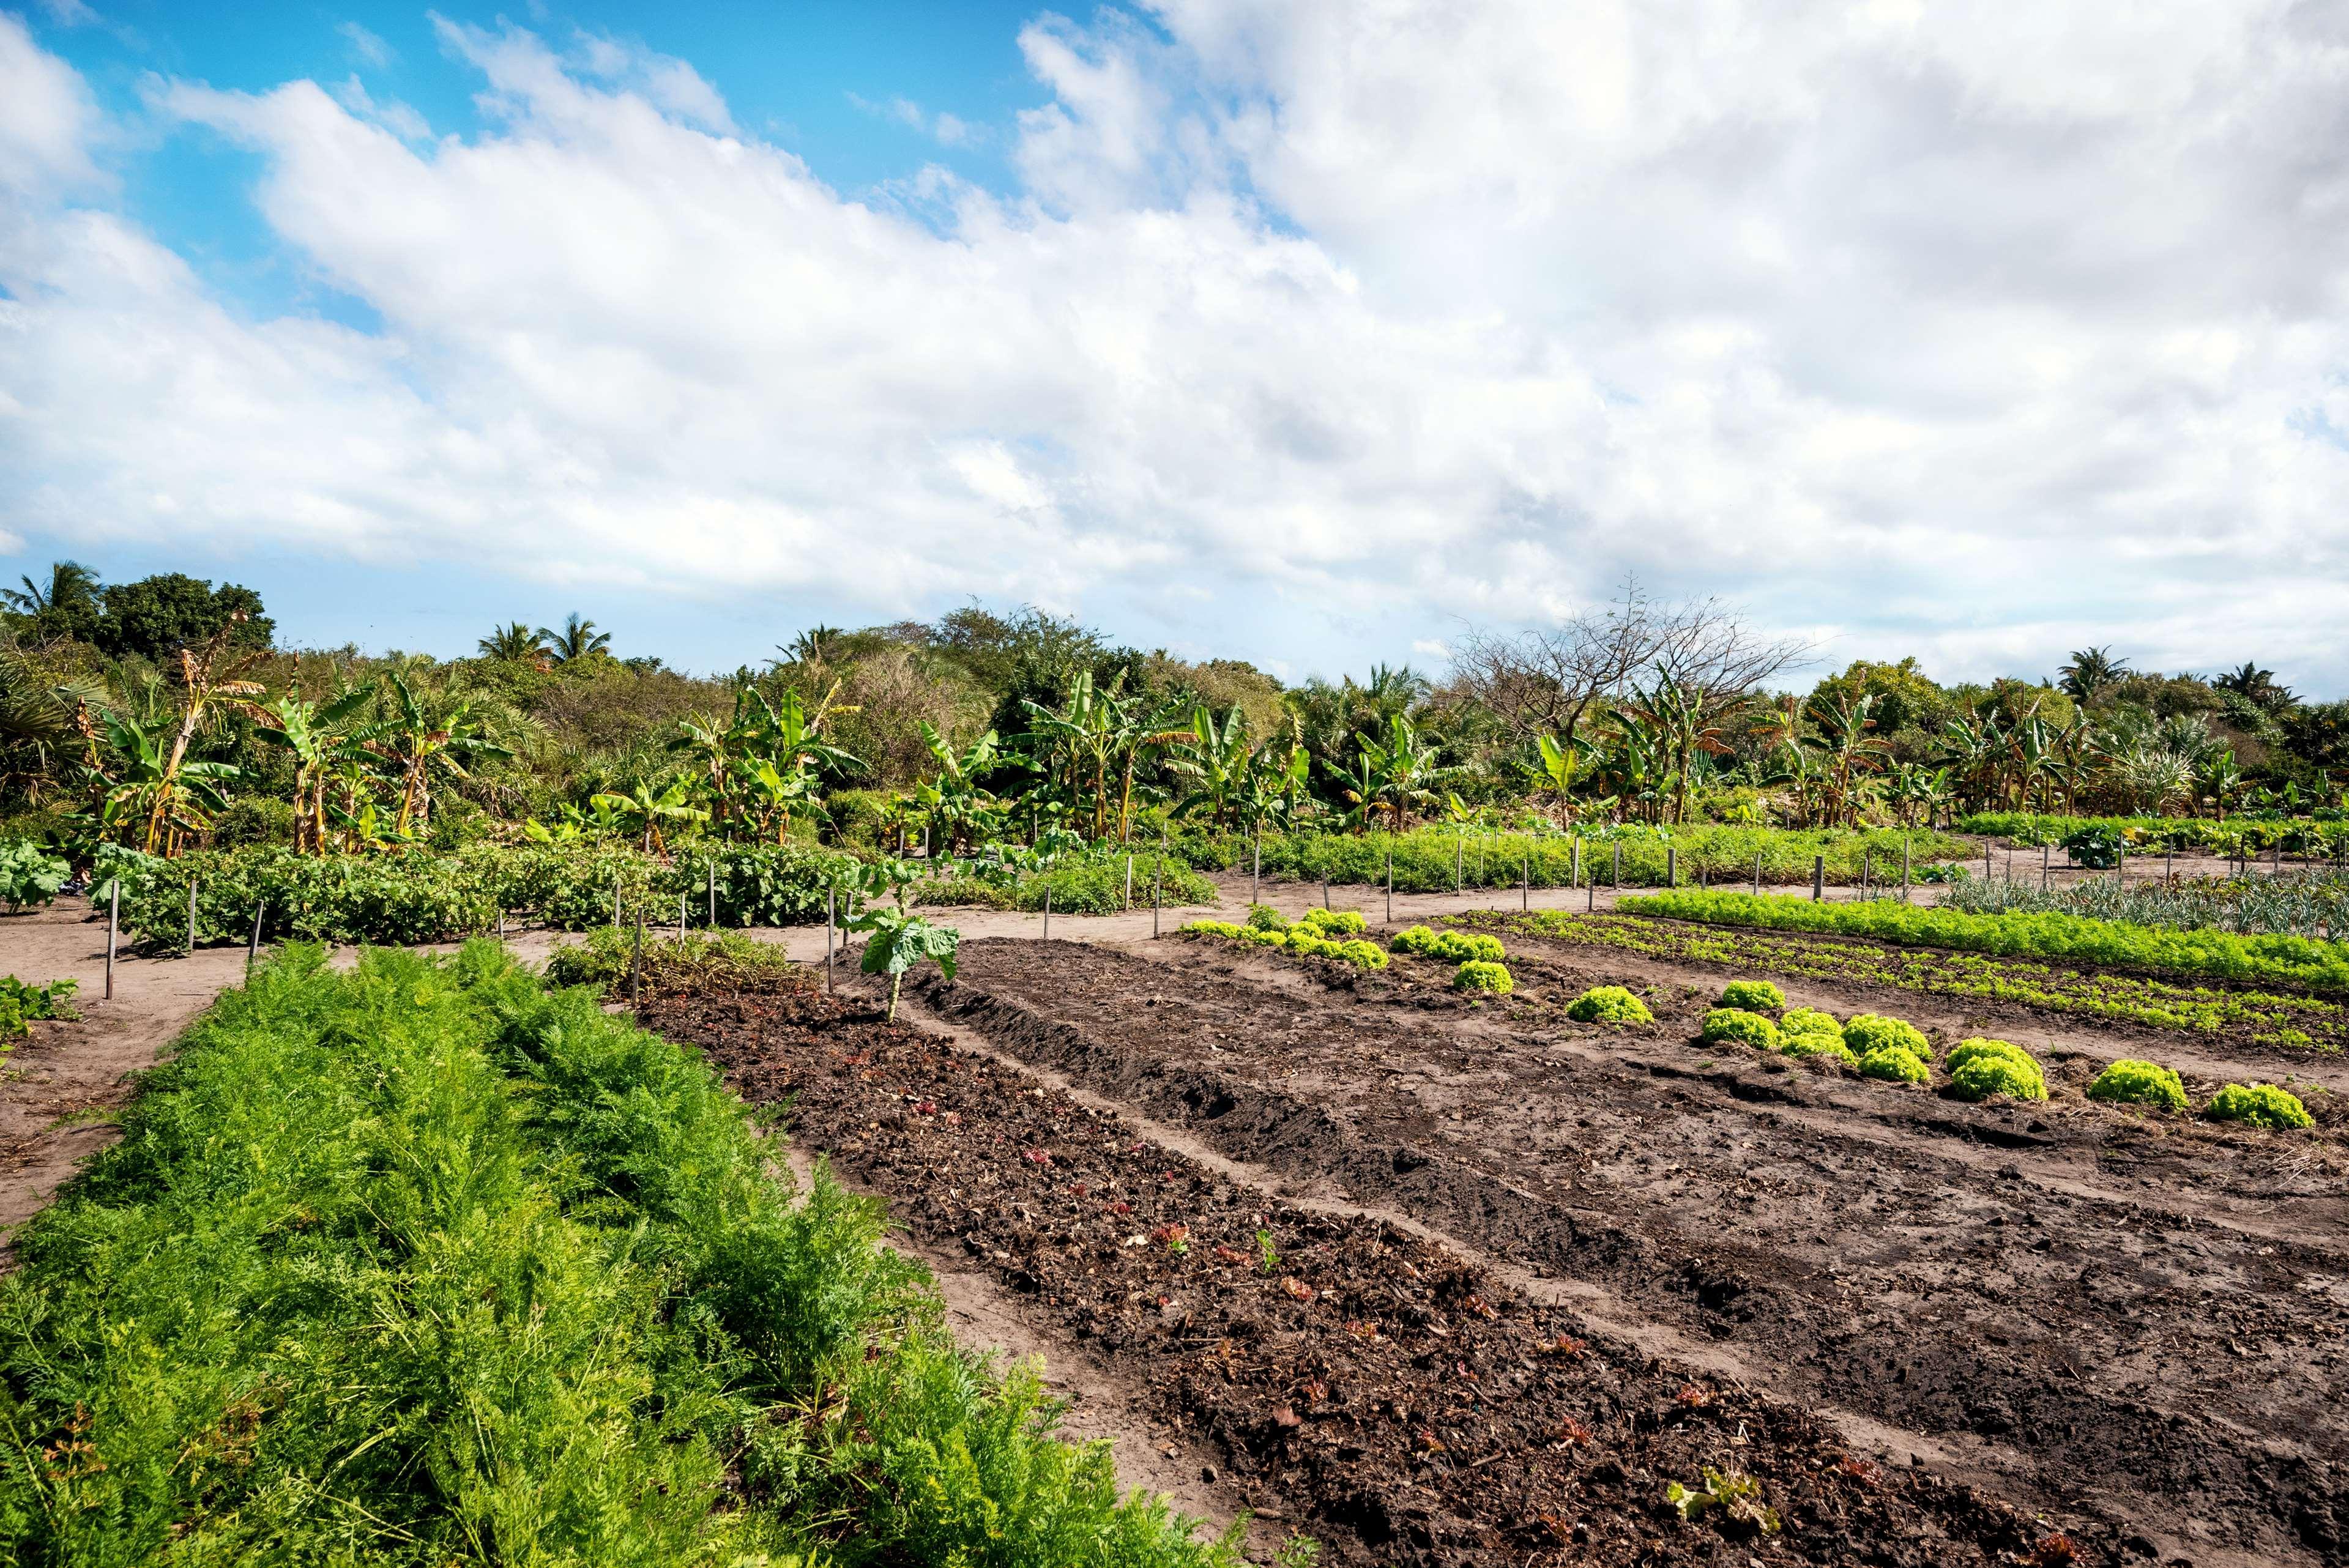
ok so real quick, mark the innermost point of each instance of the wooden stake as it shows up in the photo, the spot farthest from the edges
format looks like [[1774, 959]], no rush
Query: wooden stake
[[713, 895], [828, 896], [1672, 865], [191, 917], [113, 930], [252, 943], [1819, 878], [1048, 912], [1757, 873], [1390, 882], [637, 962]]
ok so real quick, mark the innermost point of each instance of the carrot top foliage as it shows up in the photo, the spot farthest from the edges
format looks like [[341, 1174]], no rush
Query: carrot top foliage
[[430, 1263]]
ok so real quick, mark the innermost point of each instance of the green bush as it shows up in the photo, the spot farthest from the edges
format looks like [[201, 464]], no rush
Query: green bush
[[1895, 1063], [1980, 1069], [2066, 938], [1811, 1021], [1089, 883], [254, 820], [1480, 974], [2258, 1105], [1451, 947], [2130, 1081], [1754, 996], [30, 874], [1737, 1024], [1264, 917], [427, 1264], [1815, 1042], [1869, 1032], [1608, 1004]]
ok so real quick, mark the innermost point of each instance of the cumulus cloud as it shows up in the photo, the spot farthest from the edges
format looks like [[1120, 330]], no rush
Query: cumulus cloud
[[1939, 328]]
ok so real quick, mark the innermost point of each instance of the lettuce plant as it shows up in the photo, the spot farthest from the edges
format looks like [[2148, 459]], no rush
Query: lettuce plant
[[1745, 1028], [1754, 996], [2130, 1081], [2258, 1105], [1608, 1004]]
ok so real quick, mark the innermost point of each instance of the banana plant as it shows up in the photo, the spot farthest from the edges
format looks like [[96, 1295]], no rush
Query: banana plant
[[1214, 759], [321, 739], [413, 746], [963, 810], [643, 810], [157, 796]]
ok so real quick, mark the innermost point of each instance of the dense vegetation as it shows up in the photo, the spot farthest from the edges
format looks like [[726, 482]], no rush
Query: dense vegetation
[[427, 1262], [160, 717], [2071, 939]]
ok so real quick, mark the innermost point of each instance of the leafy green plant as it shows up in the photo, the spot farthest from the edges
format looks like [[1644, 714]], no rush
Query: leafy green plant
[[1297, 1551], [1266, 1259], [728, 959], [2258, 1105], [1981, 1067], [1334, 922], [30, 874], [394, 1263], [2131, 1081], [1479, 974], [21, 1004], [1353, 950], [1895, 1065], [1815, 1042], [898, 939], [2098, 847], [1264, 917], [1871, 1032], [1754, 996], [1451, 947], [1810, 1021], [2075, 939], [1742, 1027], [1608, 1004], [1737, 1497]]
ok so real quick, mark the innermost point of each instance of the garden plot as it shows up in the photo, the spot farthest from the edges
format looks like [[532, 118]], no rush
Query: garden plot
[[2133, 1324], [1405, 1401]]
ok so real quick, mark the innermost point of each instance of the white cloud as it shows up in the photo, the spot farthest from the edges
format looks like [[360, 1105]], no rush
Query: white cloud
[[1934, 328], [366, 46], [69, 12]]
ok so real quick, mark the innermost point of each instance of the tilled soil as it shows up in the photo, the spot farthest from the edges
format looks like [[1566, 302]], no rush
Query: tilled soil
[[2135, 1324], [1405, 1404]]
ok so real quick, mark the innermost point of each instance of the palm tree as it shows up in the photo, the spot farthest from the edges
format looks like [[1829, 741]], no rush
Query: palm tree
[[71, 585], [515, 642], [578, 639], [2256, 686], [2091, 670]]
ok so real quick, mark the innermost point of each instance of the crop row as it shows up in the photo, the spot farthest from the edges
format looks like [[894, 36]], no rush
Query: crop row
[[2221, 835], [2067, 938], [429, 1262], [2283, 1021], [1434, 859]]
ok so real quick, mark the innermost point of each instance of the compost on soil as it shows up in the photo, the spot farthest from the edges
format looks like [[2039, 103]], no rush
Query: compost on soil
[[1402, 1400]]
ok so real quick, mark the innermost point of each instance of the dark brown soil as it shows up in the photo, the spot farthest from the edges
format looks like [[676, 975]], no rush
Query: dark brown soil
[[2133, 1323], [1400, 1402]]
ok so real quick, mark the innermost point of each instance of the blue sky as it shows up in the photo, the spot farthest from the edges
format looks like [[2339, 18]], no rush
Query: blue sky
[[1303, 332]]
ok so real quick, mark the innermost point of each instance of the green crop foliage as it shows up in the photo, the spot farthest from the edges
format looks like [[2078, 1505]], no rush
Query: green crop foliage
[[1740, 1027], [2258, 1105], [1333, 922], [1811, 1021], [1479, 974], [1355, 951], [2270, 1017], [1090, 883], [2130, 1081], [21, 1004], [1264, 917], [1979, 1075], [1608, 1004], [1451, 947], [30, 874], [1895, 1065], [2067, 938], [1869, 1032], [1815, 1042], [1754, 996], [425, 1263]]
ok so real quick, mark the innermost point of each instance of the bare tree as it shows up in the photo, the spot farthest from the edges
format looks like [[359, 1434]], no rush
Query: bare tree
[[1547, 681]]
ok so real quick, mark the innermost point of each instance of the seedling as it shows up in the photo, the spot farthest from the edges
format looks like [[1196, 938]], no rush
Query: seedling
[[1266, 1259]]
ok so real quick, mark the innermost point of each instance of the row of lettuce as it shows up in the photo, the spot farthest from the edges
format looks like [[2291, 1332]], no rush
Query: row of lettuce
[[430, 1262], [1336, 935], [1753, 1014]]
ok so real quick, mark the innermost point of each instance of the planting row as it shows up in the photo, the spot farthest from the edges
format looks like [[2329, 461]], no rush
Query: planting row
[[1753, 1013], [2298, 961], [427, 1262], [2277, 1021], [2323, 837], [1330, 935]]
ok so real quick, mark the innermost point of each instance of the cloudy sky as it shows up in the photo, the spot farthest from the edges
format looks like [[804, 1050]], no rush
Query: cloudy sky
[[1306, 331]]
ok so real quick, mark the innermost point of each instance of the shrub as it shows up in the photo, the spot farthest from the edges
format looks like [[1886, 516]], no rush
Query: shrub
[[1815, 1042], [1479, 974], [1986, 1073], [1895, 1063], [1452, 946], [2129, 1081], [30, 874], [1608, 1004], [1264, 917], [1334, 922], [2258, 1105], [1735, 1024], [1871, 1032], [1754, 996], [1811, 1021]]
